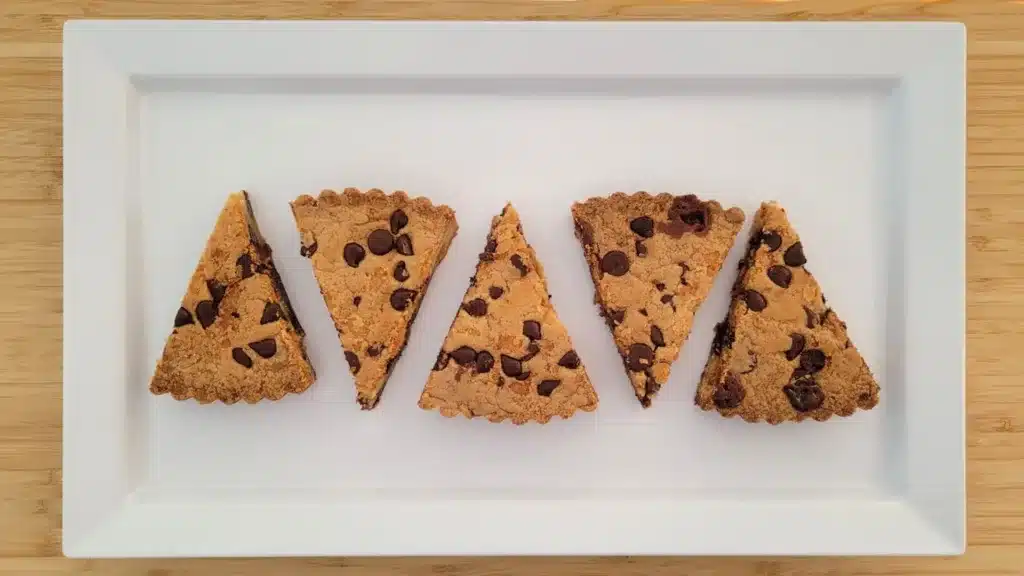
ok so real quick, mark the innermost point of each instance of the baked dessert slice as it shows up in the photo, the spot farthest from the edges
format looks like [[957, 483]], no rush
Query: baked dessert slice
[[507, 355], [373, 255], [781, 353], [653, 260], [236, 336]]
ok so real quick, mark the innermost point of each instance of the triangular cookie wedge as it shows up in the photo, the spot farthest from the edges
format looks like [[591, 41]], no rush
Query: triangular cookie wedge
[[236, 336], [373, 255], [653, 260], [782, 354], [507, 355]]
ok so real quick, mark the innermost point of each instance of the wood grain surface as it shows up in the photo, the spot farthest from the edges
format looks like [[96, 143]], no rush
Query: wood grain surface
[[30, 280]]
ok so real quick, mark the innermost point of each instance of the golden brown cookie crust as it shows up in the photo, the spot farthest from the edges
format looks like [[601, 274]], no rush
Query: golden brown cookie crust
[[782, 354], [373, 255], [653, 260], [507, 355], [236, 336]]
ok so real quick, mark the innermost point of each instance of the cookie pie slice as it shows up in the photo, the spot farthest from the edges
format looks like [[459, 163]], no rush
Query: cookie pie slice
[[235, 337], [781, 353], [653, 260], [373, 255], [506, 354]]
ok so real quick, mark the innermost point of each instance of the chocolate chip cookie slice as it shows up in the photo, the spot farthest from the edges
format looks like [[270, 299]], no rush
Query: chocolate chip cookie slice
[[373, 255], [653, 260], [507, 355], [235, 336], [781, 353]]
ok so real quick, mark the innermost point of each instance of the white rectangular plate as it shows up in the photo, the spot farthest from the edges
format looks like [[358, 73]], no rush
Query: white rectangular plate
[[858, 129]]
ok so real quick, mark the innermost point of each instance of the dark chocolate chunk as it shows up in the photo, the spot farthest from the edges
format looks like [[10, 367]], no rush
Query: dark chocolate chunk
[[398, 221], [476, 307], [373, 351], [546, 387], [441, 362], [484, 361], [813, 360], [642, 311], [614, 317], [780, 275], [641, 250], [271, 312], [357, 300], [183, 318], [667, 299], [463, 355], [682, 275], [495, 292], [206, 313], [755, 300], [308, 251], [642, 226], [724, 337], [729, 393], [517, 261], [404, 245], [266, 348], [657, 338], [804, 394], [401, 298], [532, 349], [796, 346], [491, 246], [353, 362], [512, 367], [772, 240], [523, 375], [531, 329], [217, 291], [812, 318], [353, 254], [794, 255], [401, 273], [659, 285], [239, 355], [640, 357], [691, 213], [380, 242], [585, 232], [245, 263], [615, 263], [569, 360]]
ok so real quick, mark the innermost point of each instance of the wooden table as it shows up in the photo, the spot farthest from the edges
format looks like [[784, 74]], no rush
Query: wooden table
[[30, 279]]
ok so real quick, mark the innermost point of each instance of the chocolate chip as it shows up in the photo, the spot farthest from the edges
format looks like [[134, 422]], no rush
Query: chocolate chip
[[441, 362], [642, 226], [476, 307], [308, 251], [380, 242], [484, 362], [797, 342], [660, 286], [271, 312], [357, 300], [182, 318], [724, 337], [523, 376], [398, 221], [245, 262], [585, 232], [813, 360], [657, 338], [729, 393], [755, 300], [517, 261], [614, 317], [643, 311], [265, 348], [690, 212], [401, 298], [682, 275], [812, 318], [239, 355], [217, 291], [353, 362], [206, 313], [641, 250], [780, 275], [531, 329], [546, 387], [569, 360], [615, 263], [640, 357], [495, 292], [404, 245], [772, 240], [794, 255], [464, 355], [651, 387], [401, 273], [353, 254], [491, 246], [511, 366], [667, 299], [804, 394], [373, 351]]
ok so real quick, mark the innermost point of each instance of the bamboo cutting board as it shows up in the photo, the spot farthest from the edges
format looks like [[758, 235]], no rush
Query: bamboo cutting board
[[30, 280]]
